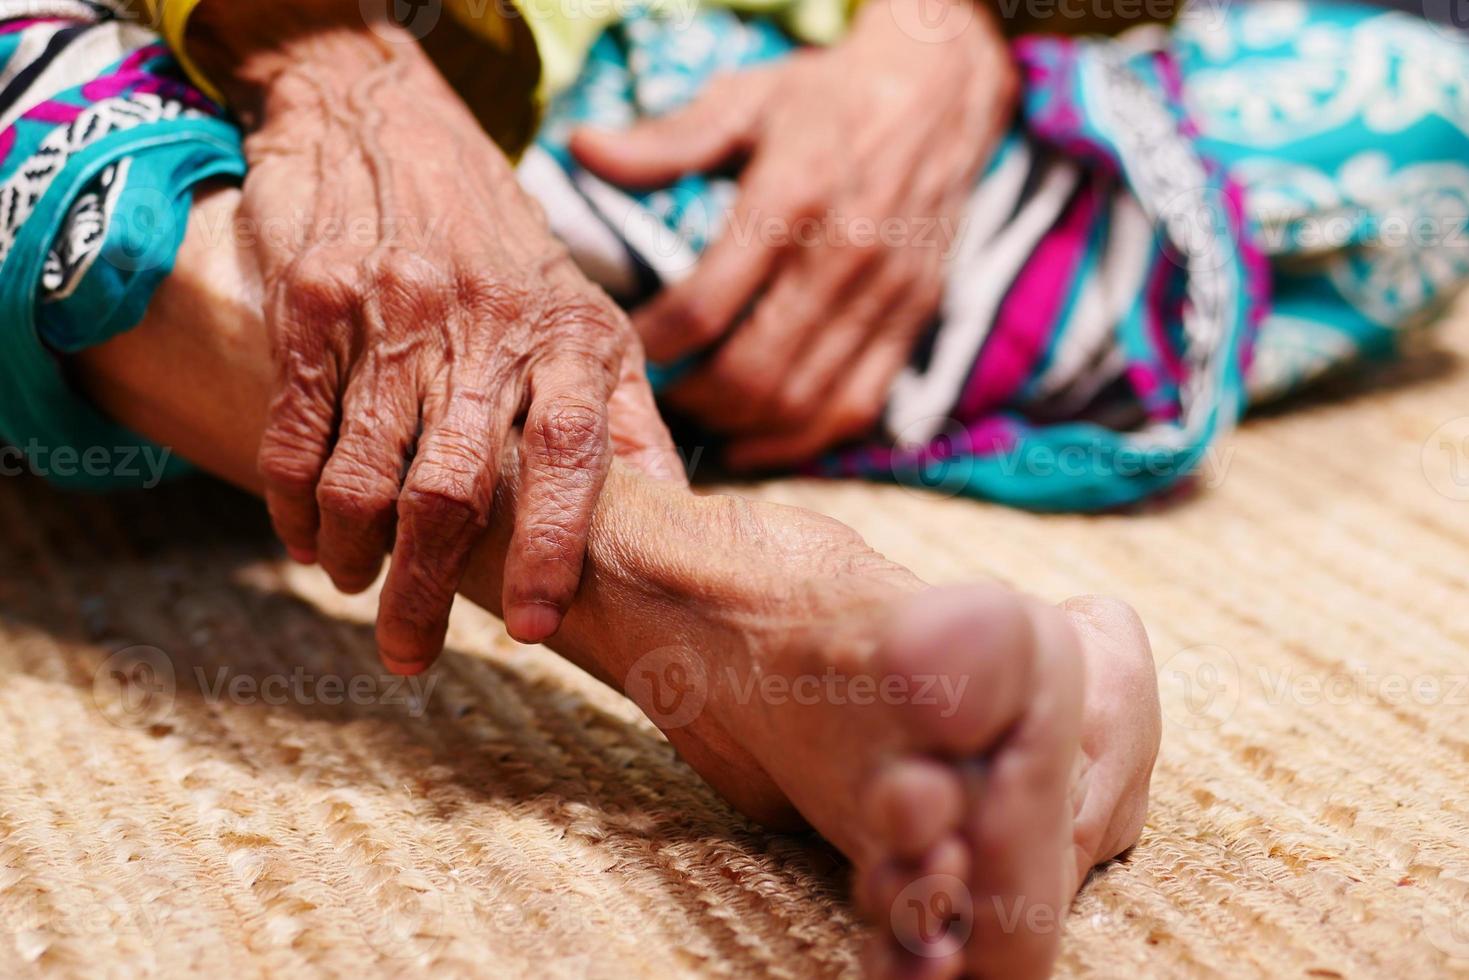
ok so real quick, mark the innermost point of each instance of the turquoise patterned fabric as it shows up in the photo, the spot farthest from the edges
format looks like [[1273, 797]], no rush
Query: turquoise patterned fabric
[[1328, 147]]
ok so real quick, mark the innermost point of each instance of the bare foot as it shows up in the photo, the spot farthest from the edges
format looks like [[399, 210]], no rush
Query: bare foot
[[974, 752]]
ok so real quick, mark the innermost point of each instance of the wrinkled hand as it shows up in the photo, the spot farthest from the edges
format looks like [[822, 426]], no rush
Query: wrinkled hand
[[860, 158], [418, 307]]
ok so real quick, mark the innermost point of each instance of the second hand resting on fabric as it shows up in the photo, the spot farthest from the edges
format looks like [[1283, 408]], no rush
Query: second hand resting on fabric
[[859, 160]]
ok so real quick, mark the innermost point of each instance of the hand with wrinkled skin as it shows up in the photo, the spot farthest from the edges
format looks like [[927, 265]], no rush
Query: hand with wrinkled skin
[[860, 158], [418, 307]]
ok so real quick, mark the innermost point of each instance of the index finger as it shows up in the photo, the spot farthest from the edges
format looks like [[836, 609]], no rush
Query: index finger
[[442, 512], [696, 311]]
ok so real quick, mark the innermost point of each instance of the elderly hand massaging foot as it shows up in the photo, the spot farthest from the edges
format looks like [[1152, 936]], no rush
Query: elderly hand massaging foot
[[969, 749]]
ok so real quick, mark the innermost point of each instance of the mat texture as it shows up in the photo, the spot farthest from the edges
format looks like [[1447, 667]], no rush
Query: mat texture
[[226, 807]]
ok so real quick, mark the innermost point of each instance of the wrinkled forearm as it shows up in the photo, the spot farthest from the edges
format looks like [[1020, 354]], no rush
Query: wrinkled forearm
[[246, 46]]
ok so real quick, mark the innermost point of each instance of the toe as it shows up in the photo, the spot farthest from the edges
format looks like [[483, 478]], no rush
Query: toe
[[1019, 817], [912, 804], [1121, 728], [924, 911], [962, 658]]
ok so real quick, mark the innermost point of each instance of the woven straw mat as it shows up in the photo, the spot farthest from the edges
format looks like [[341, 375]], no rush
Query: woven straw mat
[[1310, 811]]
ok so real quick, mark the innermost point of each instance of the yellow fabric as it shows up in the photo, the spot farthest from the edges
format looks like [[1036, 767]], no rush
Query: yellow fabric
[[171, 18], [562, 31], [562, 39]]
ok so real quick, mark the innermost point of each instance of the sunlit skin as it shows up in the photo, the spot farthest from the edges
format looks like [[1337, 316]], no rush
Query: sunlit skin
[[1026, 763]]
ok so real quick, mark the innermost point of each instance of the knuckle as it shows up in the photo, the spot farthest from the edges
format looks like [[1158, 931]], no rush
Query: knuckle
[[700, 323], [407, 284], [496, 300], [394, 269], [551, 542], [799, 200], [356, 501], [863, 251], [589, 313], [288, 481], [320, 293], [441, 516], [597, 332], [570, 433], [893, 281], [288, 469], [791, 406], [857, 414], [741, 387]]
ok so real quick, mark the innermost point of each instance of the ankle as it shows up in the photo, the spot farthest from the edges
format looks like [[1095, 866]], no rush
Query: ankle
[[732, 558]]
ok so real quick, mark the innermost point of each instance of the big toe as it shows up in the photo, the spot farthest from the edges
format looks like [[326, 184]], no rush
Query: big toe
[[958, 661]]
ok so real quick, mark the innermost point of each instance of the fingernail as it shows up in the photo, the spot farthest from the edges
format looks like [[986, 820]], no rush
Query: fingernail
[[403, 668], [532, 622], [305, 556]]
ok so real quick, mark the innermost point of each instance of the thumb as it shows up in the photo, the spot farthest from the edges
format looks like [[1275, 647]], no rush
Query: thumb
[[703, 134]]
